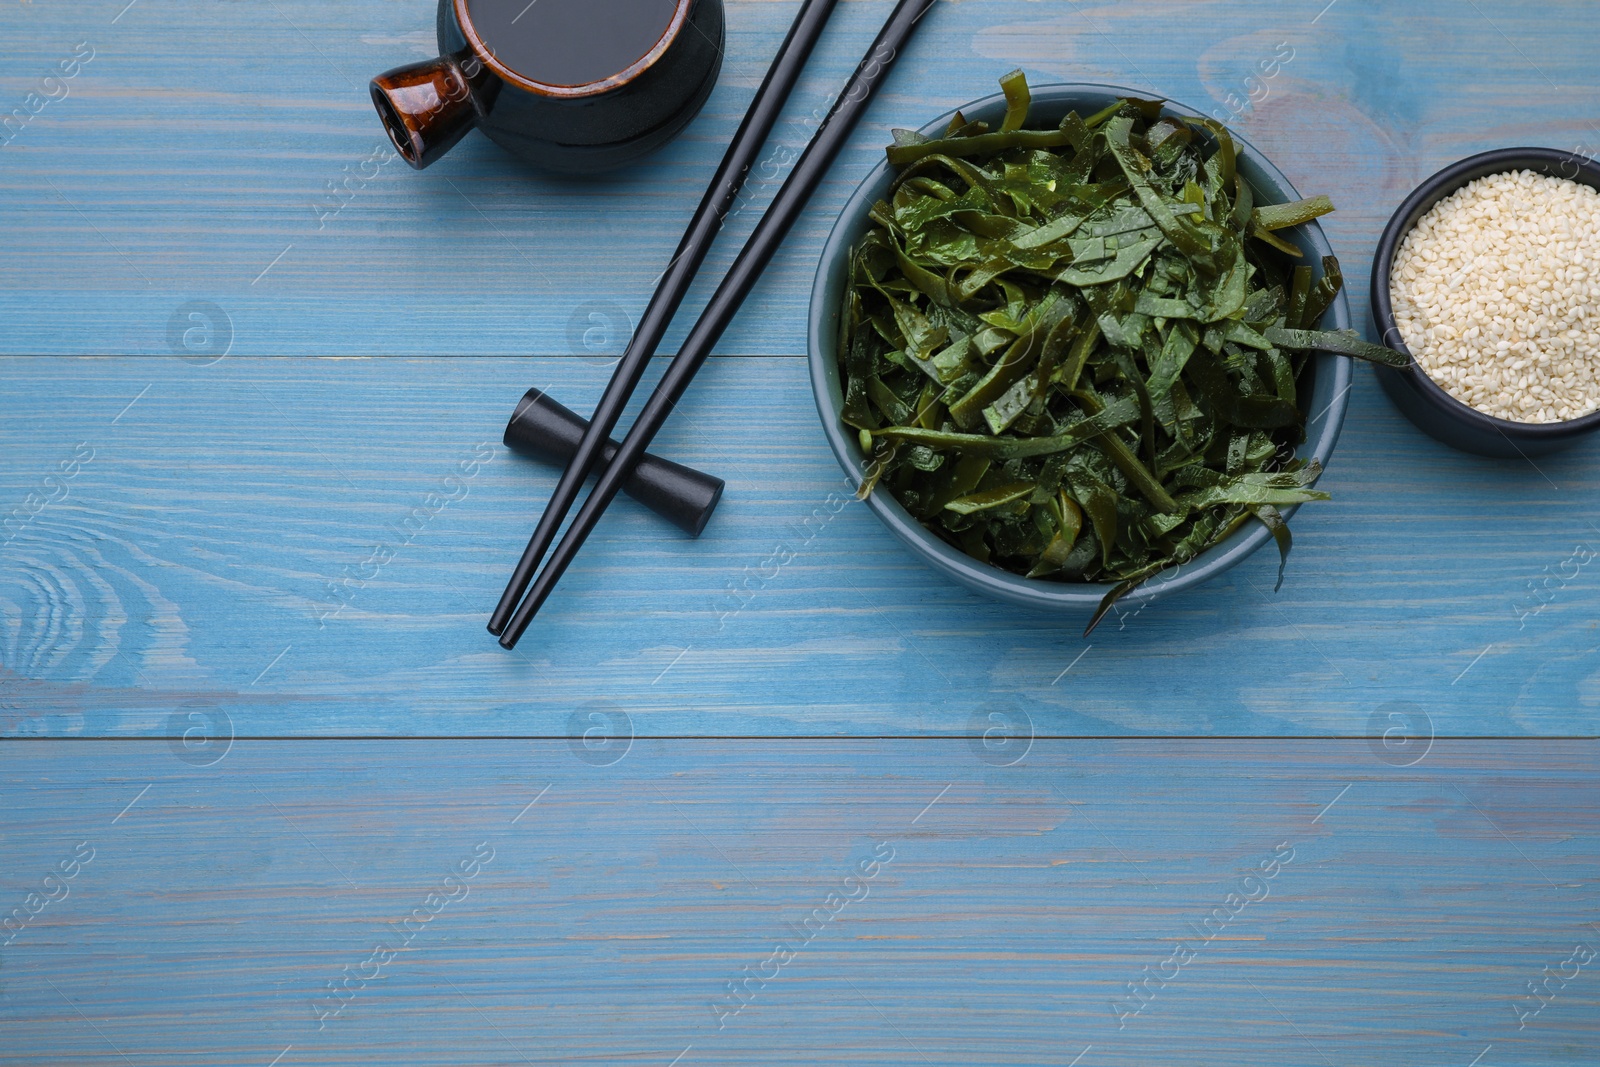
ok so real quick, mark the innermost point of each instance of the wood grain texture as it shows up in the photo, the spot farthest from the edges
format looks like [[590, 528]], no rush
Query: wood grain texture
[[192, 551], [1413, 906], [193, 155], [223, 545]]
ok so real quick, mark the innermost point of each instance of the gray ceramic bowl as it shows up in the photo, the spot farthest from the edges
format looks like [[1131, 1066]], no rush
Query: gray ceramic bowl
[[1326, 396], [1419, 397]]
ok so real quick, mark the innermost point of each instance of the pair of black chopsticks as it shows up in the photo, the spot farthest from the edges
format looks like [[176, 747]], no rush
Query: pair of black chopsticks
[[510, 620]]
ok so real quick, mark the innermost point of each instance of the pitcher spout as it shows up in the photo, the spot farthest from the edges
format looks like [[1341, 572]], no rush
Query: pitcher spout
[[428, 107]]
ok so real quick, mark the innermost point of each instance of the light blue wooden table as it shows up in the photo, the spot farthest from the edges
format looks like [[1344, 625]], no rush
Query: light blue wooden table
[[266, 801]]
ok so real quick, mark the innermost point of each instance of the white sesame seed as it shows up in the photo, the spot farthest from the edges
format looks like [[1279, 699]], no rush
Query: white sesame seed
[[1491, 289]]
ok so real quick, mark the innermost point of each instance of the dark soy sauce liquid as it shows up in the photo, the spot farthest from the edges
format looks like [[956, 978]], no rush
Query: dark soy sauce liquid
[[570, 42]]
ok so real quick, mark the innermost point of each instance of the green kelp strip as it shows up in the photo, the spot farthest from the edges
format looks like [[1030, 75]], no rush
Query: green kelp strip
[[1074, 352]]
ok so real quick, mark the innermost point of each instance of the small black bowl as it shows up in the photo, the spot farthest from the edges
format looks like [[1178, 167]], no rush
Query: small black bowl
[[1418, 396]]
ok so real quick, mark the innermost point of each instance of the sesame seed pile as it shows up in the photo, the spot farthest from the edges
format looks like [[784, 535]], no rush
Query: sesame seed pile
[[1497, 294]]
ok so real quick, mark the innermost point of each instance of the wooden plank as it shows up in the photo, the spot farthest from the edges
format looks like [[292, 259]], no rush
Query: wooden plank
[[222, 546], [192, 157], [1011, 908]]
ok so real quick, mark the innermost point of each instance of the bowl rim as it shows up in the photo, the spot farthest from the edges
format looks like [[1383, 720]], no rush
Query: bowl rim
[[1421, 200], [1323, 428]]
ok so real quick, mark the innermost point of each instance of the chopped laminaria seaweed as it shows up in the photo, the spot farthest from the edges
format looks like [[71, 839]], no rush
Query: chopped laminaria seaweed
[[1067, 356]]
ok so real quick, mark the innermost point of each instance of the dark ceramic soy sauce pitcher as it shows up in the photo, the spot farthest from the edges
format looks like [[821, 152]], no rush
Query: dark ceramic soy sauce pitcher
[[573, 86]]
